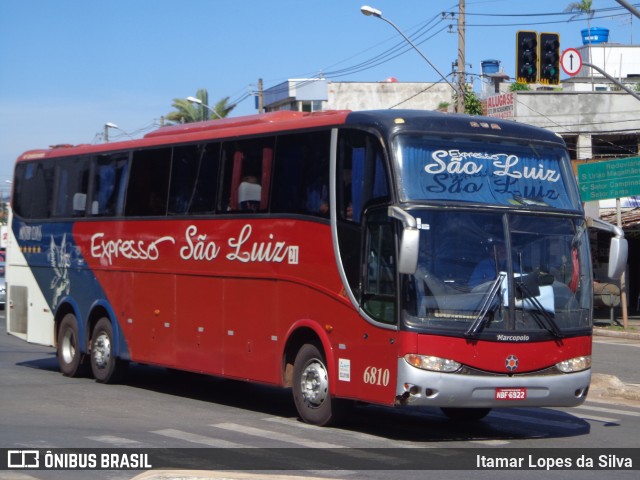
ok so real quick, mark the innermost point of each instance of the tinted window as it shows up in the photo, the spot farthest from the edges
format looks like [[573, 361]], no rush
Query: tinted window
[[362, 178], [194, 178], [33, 189], [247, 175], [109, 181], [72, 185], [148, 188], [301, 174]]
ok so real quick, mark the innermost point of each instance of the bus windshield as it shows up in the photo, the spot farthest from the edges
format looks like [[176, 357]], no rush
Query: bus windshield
[[493, 173], [508, 272]]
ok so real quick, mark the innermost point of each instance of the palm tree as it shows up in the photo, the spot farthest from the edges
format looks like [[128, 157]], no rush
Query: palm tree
[[580, 8], [187, 112]]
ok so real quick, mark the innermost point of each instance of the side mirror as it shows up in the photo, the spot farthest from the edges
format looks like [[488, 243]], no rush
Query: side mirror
[[618, 250], [409, 247], [617, 257]]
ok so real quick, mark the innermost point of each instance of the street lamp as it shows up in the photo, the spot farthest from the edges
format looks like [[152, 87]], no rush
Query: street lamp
[[197, 101], [107, 126], [370, 11]]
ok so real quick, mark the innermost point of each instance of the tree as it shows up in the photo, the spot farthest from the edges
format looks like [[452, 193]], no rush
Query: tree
[[580, 8], [188, 112], [472, 106], [584, 6]]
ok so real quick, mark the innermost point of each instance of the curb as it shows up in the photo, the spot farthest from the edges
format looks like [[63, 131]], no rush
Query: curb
[[610, 386], [603, 332]]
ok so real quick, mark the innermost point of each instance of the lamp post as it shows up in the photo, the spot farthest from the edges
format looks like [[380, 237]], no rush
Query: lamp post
[[374, 12], [107, 126], [197, 101]]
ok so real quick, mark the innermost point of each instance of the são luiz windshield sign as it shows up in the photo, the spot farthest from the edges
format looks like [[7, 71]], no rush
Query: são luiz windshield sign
[[610, 179]]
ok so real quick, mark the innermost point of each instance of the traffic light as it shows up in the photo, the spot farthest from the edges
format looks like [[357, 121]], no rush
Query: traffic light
[[526, 57], [549, 58]]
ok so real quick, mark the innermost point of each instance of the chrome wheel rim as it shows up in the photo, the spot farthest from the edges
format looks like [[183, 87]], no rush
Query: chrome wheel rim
[[314, 384], [102, 350]]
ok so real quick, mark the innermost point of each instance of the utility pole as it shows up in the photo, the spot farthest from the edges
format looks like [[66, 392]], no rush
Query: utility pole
[[460, 104], [260, 96]]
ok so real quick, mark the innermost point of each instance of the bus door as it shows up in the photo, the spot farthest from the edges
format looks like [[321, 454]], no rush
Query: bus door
[[376, 361], [366, 241]]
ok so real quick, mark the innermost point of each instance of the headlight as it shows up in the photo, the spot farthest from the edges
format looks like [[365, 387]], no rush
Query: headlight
[[435, 364], [574, 365]]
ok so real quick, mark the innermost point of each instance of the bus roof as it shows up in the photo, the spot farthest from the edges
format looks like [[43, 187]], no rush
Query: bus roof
[[434, 122], [387, 120], [201, 131]]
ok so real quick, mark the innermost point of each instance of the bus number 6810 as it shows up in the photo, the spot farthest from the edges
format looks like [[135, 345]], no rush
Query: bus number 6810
[[376, 376]]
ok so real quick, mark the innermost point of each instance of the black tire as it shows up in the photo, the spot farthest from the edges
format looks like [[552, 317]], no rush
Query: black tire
[[466, 414], [73, 363], [311, 389], [105, 366]]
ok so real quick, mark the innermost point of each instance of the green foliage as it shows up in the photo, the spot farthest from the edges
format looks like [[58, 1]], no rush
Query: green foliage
[[188, 112], [472, 105], [519, 87], [584, 6]]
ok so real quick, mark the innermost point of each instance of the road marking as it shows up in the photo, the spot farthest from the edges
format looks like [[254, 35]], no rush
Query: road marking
[[343, 433], [285, 437], [491, 443], [271, 435], [608, 410], [195, 438], [116, 441]]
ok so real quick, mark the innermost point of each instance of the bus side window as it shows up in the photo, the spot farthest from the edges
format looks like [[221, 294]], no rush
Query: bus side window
[[301, 174], [247, 176], [361, 181], [379, 286], [72, 185], [109, 181], [194, 178], [362, 177], [148, 188], [33, 189]]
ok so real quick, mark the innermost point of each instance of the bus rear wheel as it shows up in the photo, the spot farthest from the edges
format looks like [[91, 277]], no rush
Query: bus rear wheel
[[311, 388], [466, 414], [105, 366], [70, 358]]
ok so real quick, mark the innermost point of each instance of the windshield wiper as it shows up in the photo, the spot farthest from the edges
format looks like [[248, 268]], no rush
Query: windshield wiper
[[481, 319], [550, 323]]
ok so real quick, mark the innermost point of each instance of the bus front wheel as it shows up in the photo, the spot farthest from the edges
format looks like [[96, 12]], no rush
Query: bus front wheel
[[311, 388], [105, 366], [70, 358]]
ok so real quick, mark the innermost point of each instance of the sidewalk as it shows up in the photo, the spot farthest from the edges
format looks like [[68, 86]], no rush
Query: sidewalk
[[605, 328]]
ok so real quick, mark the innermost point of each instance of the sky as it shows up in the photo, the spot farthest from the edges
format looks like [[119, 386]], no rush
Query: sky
[[67, 67]]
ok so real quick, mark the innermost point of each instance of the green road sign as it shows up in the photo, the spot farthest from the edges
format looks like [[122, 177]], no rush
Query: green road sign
[[610, 179]]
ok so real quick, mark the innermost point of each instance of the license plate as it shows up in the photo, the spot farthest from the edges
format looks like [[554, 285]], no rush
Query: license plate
[[511, 393]]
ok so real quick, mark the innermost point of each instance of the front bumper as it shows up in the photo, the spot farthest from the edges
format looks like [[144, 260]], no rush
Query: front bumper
[[425, 388]]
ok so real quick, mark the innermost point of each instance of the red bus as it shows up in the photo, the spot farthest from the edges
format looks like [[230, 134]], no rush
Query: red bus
[[390, 257]]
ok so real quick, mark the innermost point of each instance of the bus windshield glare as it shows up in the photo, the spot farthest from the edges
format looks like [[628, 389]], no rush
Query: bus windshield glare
[[493, 173]]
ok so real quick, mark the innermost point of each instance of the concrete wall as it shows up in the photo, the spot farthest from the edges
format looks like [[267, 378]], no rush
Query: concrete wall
[[383, 95], [579, 113]]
